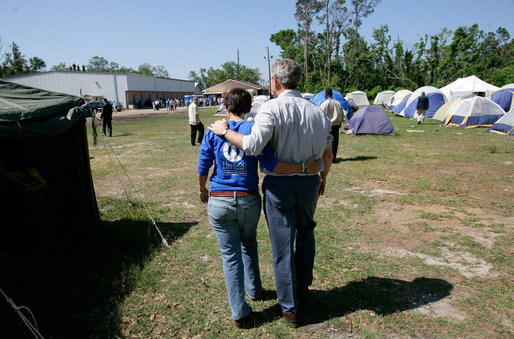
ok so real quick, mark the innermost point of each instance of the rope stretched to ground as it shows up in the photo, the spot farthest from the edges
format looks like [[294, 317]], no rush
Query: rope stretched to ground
[[152, 221], [18, 309]]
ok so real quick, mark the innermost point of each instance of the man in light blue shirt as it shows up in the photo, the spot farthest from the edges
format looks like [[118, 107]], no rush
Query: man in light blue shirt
[[296, 129]]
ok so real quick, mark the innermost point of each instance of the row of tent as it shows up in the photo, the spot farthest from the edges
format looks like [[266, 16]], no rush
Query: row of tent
[[465, 111]]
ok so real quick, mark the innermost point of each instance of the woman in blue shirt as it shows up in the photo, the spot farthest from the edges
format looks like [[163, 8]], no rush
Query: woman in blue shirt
[[234, 203]]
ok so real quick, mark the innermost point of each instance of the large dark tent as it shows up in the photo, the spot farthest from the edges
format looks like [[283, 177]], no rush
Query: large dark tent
[[45, 175]]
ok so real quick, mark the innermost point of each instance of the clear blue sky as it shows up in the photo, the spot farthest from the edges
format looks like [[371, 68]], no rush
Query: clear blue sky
[[187, 35]]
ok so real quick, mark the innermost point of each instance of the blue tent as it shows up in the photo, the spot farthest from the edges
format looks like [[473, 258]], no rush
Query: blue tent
[[504, 97], [505, 125], [400, 107], [320, 97], [370, 120]]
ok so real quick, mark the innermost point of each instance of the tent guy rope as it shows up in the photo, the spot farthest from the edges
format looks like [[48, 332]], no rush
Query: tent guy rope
[[152, 221], [18, 309]]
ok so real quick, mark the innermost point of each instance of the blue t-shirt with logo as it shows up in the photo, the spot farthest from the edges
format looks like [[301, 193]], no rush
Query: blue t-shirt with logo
[[233, 169]]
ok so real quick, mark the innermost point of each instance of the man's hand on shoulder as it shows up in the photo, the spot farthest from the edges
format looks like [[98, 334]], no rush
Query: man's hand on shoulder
[[218, 126]]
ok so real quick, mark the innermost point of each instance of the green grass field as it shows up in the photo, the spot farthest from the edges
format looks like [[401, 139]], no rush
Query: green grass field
[[414, 239]]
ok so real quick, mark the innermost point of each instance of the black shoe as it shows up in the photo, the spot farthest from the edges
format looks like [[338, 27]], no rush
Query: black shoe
[[246, 322]]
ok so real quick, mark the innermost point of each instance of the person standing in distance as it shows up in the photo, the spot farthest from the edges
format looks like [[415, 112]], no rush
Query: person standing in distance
[[195, 123], [421, 108], [296, 130], [334, 111], [106, 116]]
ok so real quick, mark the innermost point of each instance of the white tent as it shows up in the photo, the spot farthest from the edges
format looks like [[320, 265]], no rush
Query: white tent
[[474, 112], [382, 97], [435, 97], [260, 98], [309, 96], [505, 125], [443, 111], [358, 97], [467, 88], [508, 86], [397, 98]]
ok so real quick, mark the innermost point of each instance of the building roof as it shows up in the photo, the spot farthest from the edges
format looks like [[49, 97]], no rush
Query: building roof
[[227, 85]]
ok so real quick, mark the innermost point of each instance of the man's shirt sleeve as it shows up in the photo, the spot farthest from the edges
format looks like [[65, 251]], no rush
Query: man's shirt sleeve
[[254, 143]]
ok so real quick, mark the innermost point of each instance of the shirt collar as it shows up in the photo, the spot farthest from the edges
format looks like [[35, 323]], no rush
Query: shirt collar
[[290, 93]]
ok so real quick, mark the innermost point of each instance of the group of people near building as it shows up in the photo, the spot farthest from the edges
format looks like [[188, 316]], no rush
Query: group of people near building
[[291, 139]]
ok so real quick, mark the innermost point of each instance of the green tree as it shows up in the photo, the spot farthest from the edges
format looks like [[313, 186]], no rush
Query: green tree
[[333, 13], [14, 62], [98, 64], [36, 65], [145, 69], [229, 70], [306, 10], [361, 9], [289, 42], [160, 71], [59, 67]]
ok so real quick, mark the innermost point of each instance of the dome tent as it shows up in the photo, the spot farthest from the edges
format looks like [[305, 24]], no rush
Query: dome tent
[[504, 125], [383, 97], [308, 96], [435, 98], [401, 105], [503, 97], [467, 88], [359, 98], [474, 112], [397, 98], [370, 120], [443, 111], [319, 98]]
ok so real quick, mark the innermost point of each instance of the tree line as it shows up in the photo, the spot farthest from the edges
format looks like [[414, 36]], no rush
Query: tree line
[[337, 56], [14, 63]]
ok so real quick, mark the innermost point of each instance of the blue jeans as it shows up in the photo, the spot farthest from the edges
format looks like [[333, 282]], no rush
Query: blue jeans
[[289, 206], [234, 220]]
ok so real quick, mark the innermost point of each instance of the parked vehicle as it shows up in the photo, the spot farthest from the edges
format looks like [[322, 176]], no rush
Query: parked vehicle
[[96, 106]]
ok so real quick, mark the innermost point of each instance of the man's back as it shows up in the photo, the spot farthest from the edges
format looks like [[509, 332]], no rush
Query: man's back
[[300, 128], [423, 102], [334, 110]]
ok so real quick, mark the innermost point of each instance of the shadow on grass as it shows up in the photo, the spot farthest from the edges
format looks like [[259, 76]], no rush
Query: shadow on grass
[[358, 158], [382, 295], [74, 284]]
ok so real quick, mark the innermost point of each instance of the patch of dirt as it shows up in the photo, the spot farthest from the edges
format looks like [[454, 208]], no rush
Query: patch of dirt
[[376, 192], [441, 308], [467, 264]]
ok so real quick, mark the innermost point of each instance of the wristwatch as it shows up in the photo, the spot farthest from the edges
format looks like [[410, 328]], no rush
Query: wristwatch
[[224, 131]]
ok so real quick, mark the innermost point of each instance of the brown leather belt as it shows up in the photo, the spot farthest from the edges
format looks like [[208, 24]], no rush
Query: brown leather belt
[[233, 193]]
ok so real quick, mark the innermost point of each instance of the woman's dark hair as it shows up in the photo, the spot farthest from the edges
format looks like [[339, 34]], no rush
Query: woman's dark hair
[[238, 101]]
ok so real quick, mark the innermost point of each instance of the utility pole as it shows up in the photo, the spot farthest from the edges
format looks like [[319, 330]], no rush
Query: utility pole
[[269, 72], [238, 58]]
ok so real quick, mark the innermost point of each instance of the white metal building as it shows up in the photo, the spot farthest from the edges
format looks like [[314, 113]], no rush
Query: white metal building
[[123, 88]]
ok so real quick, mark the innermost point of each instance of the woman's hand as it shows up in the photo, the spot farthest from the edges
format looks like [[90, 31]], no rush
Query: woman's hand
[[204, 195], [313, 165]]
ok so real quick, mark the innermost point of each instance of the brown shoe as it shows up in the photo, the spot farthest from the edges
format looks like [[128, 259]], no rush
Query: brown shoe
[[291, 320]]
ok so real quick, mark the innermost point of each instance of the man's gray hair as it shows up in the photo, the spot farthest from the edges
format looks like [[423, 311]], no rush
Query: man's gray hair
[[288, 72]]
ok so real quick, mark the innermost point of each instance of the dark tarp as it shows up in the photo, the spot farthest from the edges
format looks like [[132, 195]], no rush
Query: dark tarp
[[20, 103], [43, 134]]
